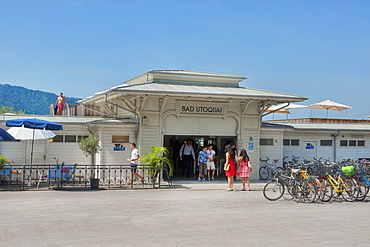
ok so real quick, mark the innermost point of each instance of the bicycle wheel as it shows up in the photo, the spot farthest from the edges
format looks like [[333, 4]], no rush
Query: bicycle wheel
[[291, 188], [363, 189], [309, 191], [319, 188], [326, 191], [264, 173], [351, 194], [273, 190]]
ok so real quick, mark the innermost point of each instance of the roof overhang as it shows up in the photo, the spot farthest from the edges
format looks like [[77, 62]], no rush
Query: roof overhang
[[177, 90], [317, 127]]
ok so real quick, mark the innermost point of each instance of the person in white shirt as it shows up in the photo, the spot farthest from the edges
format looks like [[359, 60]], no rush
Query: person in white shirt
[[186, 155], [210, 162], [135, 156]]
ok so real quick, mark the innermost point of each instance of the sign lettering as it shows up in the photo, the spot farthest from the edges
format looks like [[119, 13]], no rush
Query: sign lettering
[[201, 109]]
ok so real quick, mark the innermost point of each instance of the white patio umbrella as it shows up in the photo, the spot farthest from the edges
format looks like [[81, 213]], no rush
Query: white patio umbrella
[[277, 109], [329, 105], [294, 106], [284, 108], [21, 133]]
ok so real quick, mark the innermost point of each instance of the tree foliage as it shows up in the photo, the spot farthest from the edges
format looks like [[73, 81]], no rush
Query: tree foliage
[[7, 109], [28, 101], [90, 145]]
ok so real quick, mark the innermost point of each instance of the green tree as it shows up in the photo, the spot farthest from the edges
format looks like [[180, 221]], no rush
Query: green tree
[[90, 146], [157, 157], [10, 109]]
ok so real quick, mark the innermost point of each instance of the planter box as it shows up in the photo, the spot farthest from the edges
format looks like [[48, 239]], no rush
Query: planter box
[[94, 183]]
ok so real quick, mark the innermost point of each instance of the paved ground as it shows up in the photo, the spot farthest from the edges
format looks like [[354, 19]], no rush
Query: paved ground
[[189, 214]]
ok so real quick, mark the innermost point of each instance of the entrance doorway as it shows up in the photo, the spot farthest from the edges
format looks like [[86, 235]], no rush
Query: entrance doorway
[[174, 143]]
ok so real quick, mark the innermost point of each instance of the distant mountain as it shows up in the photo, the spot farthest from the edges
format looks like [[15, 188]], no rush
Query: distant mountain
[[31, 101]]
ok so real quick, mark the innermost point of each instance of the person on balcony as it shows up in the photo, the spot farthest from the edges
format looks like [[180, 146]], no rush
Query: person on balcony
[[61, 100]]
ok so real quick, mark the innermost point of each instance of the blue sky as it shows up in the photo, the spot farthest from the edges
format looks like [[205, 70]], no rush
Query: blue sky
[[317, 49]]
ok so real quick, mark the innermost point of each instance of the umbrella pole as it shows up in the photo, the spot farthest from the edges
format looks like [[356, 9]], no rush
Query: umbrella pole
[[33, 140]]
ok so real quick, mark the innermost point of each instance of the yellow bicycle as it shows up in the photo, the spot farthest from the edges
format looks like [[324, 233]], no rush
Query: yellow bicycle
[[345, 187]]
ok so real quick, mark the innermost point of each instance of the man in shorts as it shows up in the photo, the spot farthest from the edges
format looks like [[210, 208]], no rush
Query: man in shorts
[[60, 103], [210, 162], [135, 156]]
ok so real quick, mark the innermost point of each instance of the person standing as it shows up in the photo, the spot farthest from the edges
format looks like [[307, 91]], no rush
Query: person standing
[[61, 100], [230, 158], [135, 156], [202, 162], [186, 155], [244, 169], [210, 162]]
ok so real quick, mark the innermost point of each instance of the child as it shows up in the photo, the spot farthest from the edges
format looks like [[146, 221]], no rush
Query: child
[[202, 162], [244, 169]]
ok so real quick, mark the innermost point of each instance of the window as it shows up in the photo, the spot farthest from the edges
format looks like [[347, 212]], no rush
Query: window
[[294, 142], [326, 142], [291, 142], [199, 141], [266, 142], [58, 138], [352, 143], [67, 138], [81, 137], [343, 143], [70, 138]]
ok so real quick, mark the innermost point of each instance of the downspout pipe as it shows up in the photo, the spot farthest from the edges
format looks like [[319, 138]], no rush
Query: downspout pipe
[[335, 145]]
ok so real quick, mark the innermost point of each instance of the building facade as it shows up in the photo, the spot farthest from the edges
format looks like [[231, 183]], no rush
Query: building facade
[[167, 107], [170, 107]]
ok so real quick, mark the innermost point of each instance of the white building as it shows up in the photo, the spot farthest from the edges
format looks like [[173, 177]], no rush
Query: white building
[[167, 107], [331, 139]]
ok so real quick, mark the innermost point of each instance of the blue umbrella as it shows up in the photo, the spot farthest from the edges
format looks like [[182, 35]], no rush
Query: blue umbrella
[[5, 136], [33, 123]]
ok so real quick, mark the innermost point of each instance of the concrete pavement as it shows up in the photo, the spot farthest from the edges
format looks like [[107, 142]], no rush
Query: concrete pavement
[[189, 214]]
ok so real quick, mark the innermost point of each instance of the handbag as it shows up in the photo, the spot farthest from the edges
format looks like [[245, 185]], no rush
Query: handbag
[[226, 166]]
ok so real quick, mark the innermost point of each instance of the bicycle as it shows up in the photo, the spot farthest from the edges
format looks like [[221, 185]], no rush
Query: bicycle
[[265, 170], [345, 187], [362, 182], [300, 189], [301, 186]]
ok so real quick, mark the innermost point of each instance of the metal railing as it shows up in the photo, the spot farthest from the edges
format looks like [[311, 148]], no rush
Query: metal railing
[[80, 177]]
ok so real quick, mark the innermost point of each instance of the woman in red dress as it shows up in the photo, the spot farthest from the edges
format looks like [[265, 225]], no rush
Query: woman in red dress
[[230, 159]]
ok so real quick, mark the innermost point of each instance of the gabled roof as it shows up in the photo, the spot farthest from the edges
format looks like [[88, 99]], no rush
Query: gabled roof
[[209, 85]]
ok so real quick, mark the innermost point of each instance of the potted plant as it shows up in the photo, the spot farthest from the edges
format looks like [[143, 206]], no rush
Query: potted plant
[[4, 161], [156, 159], [90, 146]]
